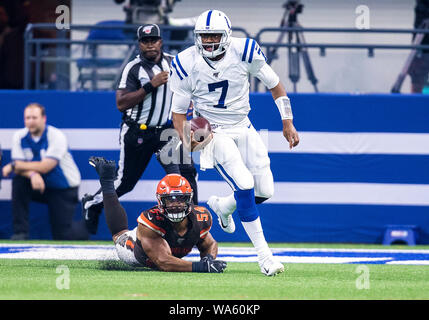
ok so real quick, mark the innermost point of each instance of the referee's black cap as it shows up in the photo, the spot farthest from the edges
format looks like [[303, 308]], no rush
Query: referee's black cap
[[148, 31]]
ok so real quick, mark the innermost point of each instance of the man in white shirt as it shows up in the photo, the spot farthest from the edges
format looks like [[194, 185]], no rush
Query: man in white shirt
[[44, 172]]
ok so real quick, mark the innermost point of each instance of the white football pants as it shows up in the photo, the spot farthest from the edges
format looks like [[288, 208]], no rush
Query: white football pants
[[241, 157]]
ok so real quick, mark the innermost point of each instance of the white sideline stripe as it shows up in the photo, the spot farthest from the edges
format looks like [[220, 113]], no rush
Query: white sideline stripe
[[311, 142], [103, 254], [78, 139], [230, 254], [285, 192], [407, 262], [353, 143], [226, 250]]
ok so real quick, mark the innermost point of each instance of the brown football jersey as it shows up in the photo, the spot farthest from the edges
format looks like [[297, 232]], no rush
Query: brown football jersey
[[200, 222]]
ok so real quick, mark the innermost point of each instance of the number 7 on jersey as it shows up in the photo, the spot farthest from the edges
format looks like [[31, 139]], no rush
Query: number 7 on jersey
[[221, 84]]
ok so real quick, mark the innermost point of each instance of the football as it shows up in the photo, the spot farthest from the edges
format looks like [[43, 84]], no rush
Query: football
[[200, 128]]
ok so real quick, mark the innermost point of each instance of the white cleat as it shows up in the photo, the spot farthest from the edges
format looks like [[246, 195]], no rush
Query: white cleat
[[226, 222], [271, 267]]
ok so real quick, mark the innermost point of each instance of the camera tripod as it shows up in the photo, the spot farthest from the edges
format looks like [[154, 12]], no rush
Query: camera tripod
[[417, 41], [292, 9]]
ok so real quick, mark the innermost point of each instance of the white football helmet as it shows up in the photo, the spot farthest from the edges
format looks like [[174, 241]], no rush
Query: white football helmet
[[213, 21]]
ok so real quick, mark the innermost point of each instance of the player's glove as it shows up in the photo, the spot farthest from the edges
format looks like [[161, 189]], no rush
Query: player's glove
[[207, 257], [107, 172], [209, 264], [106, 169]]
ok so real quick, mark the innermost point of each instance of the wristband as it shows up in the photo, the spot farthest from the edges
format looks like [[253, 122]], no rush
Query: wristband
[[199, 267], [13, 165], [285, 109], [148, 87], [107, 186]]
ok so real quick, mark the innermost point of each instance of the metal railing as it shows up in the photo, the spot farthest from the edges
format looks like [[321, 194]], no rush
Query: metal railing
[[40, 51], [323, 46], [300, 46]]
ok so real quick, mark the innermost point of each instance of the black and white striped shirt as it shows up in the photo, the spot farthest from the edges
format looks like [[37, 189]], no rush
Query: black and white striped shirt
[[154, 110]]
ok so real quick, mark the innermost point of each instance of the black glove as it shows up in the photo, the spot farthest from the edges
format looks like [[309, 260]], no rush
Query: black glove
[[209, 264], [107, 172], [207, 257], [106, 169]]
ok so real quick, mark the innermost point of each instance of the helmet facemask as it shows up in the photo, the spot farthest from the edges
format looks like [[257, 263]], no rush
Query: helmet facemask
[[175, 206], [218, 48]]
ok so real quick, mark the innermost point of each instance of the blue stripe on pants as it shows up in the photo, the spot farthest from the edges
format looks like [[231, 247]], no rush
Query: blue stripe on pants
[[228, 177]]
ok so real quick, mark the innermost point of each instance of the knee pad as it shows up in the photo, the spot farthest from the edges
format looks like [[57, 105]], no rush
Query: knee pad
[[264, 185], [124, 247], [246, 206]]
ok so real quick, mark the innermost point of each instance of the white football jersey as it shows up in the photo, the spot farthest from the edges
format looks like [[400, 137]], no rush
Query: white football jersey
[[219, 89]]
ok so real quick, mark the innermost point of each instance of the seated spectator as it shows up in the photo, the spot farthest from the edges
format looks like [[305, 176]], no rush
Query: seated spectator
[[45, 172]]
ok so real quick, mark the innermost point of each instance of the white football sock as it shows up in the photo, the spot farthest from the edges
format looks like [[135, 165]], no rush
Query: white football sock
[[256, 235]]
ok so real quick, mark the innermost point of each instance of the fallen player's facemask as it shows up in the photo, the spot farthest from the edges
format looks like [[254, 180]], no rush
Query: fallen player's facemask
[[174, 195], [176, 207]]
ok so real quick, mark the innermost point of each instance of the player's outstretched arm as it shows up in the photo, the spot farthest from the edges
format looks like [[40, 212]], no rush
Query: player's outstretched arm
[[159, 252], [107, 172], [208, 246]]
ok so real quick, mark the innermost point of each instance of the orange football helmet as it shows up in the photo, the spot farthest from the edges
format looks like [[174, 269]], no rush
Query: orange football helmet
[[174, 195]]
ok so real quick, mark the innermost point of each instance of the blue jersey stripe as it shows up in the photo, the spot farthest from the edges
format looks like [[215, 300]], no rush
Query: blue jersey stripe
[[243, 58], [209, 15], [175, 68], [180, 66], [252, 49], [262, 52]]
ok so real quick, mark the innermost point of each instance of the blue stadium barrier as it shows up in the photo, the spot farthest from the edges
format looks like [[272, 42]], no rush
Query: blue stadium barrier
[[362, 163]]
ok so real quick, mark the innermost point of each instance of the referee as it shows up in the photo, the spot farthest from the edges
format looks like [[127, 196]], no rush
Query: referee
[[144, 97]]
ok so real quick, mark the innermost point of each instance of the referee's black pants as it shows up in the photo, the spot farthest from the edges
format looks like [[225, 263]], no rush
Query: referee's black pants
[[137, 148], [61, 204]]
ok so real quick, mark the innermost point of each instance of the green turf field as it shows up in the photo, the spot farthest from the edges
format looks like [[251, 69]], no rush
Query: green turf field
[[38, 279]]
